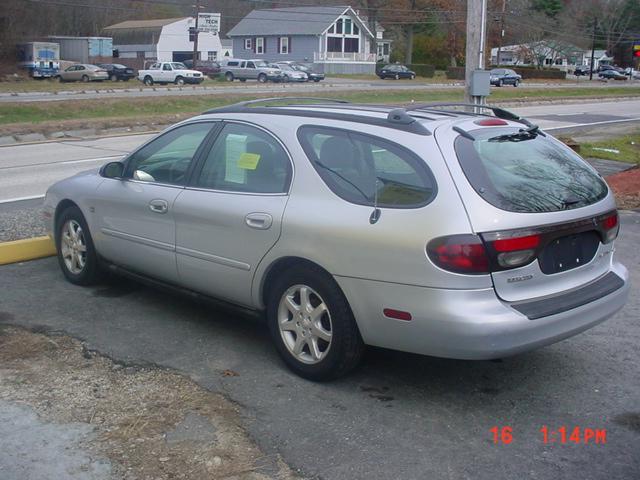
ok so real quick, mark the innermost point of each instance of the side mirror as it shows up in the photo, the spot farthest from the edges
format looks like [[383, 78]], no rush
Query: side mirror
[[112, 170]]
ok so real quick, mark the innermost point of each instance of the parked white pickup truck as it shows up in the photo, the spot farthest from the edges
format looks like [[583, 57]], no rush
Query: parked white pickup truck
[[169, 72]]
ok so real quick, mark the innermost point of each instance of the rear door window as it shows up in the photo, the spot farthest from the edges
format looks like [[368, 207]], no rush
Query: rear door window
[[365, 170], [527, 173]]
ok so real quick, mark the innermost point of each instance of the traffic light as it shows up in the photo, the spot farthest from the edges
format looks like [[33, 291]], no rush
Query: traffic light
[[192, 34], [636, 54]]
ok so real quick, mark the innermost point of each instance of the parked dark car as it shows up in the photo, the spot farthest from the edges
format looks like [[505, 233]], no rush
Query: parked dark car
[[504, 76], [209, 68], [581, 71], [117, 71], [612, 74], [397, 72]]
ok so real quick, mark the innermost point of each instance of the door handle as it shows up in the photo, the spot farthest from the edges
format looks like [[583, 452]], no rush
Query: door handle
[[260, 221], [158, 206]]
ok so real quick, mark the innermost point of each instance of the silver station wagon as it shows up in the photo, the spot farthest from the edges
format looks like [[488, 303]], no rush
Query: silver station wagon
[[426, 229]]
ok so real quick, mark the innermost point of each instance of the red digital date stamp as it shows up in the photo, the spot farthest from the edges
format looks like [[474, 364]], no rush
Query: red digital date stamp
[[562, 435]]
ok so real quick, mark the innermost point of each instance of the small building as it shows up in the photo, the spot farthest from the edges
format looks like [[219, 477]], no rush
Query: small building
[[548, 54], [334, 38], [383, 45], [84, 49], [140, 42]]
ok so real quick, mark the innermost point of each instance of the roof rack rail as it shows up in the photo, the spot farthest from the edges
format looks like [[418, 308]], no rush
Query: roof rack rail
[[497, 111], [259, 101]]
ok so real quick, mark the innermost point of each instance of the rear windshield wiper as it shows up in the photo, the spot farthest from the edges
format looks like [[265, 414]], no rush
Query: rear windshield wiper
[[523, 134]]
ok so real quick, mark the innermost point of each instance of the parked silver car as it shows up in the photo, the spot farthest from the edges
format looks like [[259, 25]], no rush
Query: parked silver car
[[82, 72], [421, 229]]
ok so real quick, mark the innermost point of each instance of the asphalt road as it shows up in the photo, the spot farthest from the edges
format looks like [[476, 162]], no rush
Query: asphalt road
[[27, 170], [137, 90], [399, 415]]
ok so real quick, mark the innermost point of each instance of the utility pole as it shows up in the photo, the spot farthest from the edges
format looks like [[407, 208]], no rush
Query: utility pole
[[195, 35], [504, 7], [593, 48], [474, 53]]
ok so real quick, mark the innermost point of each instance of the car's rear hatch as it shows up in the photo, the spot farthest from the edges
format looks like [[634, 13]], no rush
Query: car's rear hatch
[[546, 218]]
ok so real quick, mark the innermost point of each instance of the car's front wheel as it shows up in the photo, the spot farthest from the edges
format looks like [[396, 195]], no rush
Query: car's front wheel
[[229, 76], [76, 254], [179, 81], [516, 83], [262, 78], [312, 324]]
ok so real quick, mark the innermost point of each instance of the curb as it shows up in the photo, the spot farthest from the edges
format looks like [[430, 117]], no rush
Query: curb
[[27, 249]]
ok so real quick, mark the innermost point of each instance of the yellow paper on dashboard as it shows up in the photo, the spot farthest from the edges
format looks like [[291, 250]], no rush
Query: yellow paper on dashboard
[[248, 161]]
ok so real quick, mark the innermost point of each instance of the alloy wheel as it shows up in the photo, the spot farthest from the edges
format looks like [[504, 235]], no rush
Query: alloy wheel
[[73, 247], [305, 324]]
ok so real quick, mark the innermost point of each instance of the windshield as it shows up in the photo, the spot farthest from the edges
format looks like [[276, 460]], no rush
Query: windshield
[[527, 173], [287, 68], [178, 66]]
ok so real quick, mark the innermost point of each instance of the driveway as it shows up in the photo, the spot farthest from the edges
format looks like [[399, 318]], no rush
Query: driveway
[[399, 415]]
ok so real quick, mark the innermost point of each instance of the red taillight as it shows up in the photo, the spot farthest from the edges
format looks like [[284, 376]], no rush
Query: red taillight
[[459, 254], [611, 227], [518, 243]]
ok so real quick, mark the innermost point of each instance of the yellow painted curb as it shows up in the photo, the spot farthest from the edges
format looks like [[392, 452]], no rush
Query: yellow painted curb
[[27, 249]]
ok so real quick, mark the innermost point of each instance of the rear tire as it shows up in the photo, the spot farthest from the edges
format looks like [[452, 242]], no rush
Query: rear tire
[[76, 254], [85, 78], [148, 81], [500, 83], [397, 77], [113, 78], [243, 80], [315, 332]]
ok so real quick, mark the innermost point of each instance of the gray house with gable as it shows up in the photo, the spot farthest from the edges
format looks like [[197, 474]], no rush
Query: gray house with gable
[[335, 39]]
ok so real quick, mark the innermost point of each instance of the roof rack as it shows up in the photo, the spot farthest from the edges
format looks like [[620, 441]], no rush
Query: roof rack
[[258, 101], [397, 119], [497, 111]]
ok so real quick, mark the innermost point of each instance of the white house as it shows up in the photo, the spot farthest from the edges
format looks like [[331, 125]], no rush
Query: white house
[[168, 39], [548, 54]]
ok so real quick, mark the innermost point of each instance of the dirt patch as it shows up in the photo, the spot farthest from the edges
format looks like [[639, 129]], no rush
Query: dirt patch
[[149, 422], [626, 186]]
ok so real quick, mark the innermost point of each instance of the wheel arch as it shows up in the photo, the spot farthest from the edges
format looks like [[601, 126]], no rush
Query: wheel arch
[[278, 266]]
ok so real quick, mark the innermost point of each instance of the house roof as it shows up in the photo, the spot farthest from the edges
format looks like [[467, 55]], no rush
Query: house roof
[[139, 32], [144, 23], [291, 21]]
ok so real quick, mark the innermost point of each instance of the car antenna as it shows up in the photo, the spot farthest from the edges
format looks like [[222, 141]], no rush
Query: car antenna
[[375, 215]]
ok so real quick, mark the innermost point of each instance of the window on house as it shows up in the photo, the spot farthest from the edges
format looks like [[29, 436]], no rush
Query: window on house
[[212, 56], [247, 44], [351, 44], [547, 61], [284, 45], [339, 26], [332, 29], [347, 26], [260, 45], [334, 44], [356, 31], [558, 61]]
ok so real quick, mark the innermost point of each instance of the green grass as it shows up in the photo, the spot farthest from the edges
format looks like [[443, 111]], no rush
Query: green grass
[[627, 145], [165, 108]]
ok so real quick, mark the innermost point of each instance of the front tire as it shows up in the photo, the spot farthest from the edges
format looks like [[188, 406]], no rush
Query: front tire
[[397, 77], [262, 78], [516, 83], [500, 83], [76, 254], [229, 76], [179, 81], [312, 325]]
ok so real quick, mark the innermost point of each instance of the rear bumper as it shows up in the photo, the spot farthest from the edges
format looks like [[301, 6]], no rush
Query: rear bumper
[[466, 324]]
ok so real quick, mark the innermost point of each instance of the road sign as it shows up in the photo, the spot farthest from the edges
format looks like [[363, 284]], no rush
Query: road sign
[[209, 22]]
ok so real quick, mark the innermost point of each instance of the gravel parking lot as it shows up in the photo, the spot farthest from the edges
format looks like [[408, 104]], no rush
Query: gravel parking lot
[[399, 415]]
